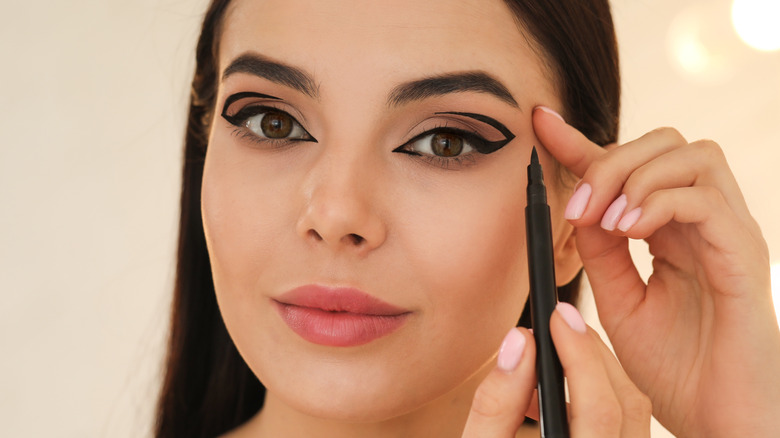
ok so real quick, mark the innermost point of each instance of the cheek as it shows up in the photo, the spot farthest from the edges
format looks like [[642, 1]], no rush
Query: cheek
[[466, 248], [455, 252], [242, 202]]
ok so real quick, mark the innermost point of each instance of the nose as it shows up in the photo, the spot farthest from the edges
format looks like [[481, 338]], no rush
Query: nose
[[341, 209]]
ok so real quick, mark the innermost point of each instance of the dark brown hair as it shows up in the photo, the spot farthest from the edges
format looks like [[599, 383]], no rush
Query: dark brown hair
[[207, 387]]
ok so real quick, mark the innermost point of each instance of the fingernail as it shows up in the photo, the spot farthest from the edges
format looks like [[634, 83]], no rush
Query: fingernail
[[610, 219], [572, 316], [551, 111], [629, 220], [511, 350], [576, 206]]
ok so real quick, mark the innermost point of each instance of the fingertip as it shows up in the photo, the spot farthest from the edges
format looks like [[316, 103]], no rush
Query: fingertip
[[566, 144], [511, 352], [504, 396], [550, 111], [629, 219], [578, 202], [571, 316]]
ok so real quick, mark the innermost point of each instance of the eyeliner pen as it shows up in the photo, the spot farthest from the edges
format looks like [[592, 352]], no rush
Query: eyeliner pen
[[544, 297]]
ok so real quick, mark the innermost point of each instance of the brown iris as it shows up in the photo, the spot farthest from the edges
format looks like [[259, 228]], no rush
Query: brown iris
[[276, 125], [446, 145]]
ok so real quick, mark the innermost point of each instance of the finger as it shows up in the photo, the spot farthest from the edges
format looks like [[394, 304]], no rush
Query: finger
[[697, 164], [618, 289], [635, 406], [501, 400], [608, 173], [739, 252], [595, 409], [533, 408], [566, 144]]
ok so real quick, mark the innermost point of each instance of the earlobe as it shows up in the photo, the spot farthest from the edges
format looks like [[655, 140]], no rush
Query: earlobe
[[567, 259]]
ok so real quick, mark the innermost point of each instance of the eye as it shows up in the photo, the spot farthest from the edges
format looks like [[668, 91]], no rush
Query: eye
[[449, 146], [265, 123], [269, 123], [446, 144], [275, 125]]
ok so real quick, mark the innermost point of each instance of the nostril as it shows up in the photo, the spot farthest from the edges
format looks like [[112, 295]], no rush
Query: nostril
[[357, 240], [315, 235]]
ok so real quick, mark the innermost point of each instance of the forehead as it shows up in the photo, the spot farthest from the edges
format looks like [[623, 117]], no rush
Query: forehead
[[376, 42]]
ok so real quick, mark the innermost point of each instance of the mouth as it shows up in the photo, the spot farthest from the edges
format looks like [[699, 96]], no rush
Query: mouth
[[338, 317]]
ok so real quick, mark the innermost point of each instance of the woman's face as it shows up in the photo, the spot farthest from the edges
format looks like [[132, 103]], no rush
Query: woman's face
[[369, 181]]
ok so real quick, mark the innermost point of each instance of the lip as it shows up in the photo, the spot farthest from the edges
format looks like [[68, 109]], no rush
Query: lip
[[338, 317]]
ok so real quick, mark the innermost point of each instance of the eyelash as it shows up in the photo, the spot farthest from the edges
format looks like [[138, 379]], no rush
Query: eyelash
[[476, 141], [452, 163]]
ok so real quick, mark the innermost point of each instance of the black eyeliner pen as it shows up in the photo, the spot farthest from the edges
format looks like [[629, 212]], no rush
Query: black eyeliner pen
[[544, 297]]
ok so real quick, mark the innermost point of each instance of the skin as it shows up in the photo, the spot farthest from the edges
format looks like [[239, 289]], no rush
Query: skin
[[710, 343], [449, 245]]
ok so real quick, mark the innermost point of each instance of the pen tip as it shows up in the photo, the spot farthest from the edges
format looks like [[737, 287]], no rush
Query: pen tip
[[534, 156]]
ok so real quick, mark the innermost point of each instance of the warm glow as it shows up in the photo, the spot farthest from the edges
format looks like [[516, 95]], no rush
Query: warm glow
[[757, 23], [693, 56], [699, 47]]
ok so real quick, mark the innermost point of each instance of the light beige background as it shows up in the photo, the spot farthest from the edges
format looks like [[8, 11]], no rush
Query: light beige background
[[92, 101]]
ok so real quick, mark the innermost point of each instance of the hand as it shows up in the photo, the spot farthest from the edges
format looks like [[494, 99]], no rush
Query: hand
[[700, 338], [604, 401]]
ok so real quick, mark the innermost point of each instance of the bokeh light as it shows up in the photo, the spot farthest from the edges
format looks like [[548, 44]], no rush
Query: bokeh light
[[757, 22], [701, 43]]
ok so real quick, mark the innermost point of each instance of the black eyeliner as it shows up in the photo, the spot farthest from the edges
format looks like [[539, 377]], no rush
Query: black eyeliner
[[490, 146], [244, 94], [253, 110], [477, 142]]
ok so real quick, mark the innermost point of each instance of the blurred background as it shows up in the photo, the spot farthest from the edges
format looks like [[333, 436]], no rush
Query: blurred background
[[92, 102]]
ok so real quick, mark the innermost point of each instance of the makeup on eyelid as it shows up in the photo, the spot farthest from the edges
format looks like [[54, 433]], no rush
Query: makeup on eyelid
[[242, 95], [484, 119], [281, 126], [453, 144]]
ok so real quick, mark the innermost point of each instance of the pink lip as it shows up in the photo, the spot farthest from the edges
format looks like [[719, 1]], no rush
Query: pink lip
[[338, 317]]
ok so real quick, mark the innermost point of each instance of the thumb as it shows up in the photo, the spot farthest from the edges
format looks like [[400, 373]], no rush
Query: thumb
[[567, 145], [501, 400]]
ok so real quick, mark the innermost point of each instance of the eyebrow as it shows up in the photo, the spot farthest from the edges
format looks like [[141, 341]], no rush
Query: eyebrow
[[297, 79], [283, 74], [476, 81]]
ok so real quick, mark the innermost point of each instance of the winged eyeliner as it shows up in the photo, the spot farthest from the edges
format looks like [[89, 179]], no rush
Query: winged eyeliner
[[483, 147], [489, 146], [238, 96]]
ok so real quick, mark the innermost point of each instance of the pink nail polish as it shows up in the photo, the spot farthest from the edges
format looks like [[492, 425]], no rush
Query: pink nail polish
[[614, 212], [572, 316], [551, 111], [511, 350], [576, 206], [630, 219]]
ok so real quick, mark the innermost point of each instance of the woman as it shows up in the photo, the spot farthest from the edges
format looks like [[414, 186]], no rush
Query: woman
[[352, 210]]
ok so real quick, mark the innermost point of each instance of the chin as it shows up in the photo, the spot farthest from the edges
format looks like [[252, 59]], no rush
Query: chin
[[365, 405], [357, 391]]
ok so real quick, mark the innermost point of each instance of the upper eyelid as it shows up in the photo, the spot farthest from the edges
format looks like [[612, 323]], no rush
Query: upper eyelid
[[235, 97], [464, 132], [483, 146], [276, 103], [300, 118], [464, 123], [262, 109], [500, 127]]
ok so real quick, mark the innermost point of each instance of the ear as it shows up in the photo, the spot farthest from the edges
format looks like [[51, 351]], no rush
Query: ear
[[567, 259]]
